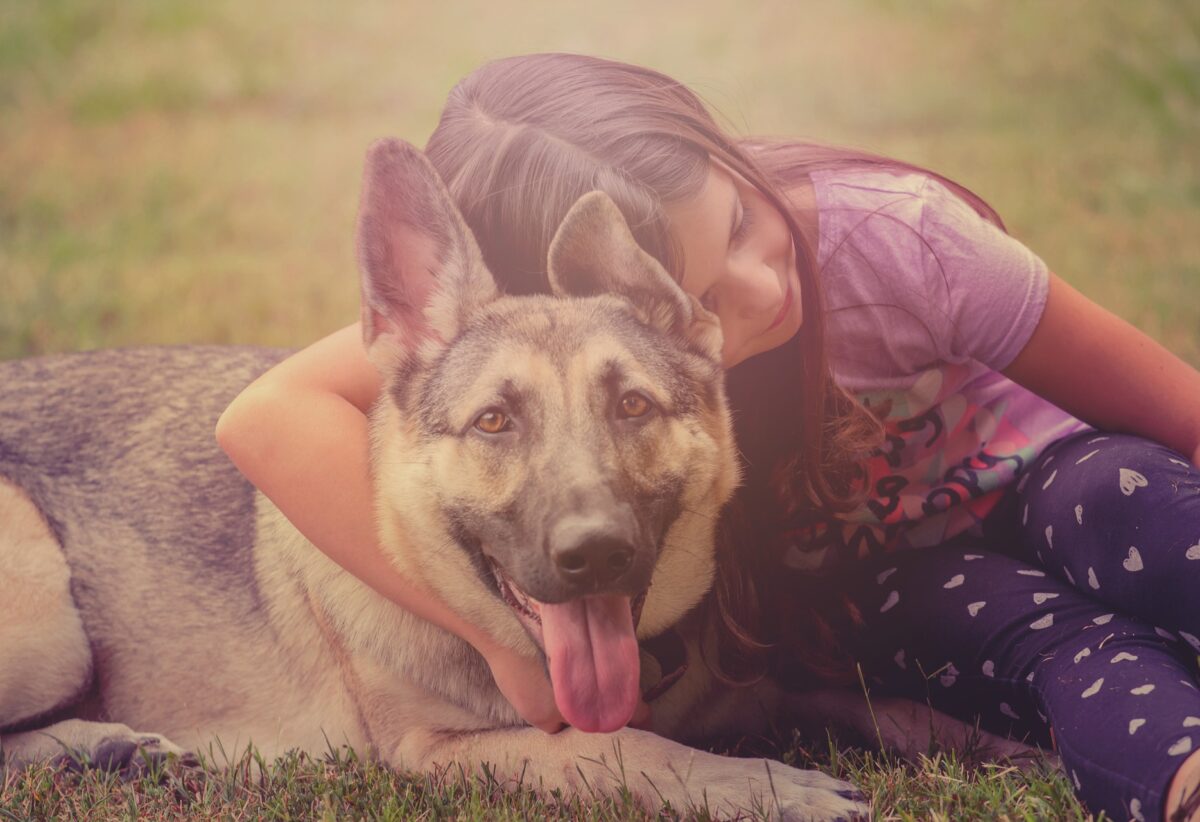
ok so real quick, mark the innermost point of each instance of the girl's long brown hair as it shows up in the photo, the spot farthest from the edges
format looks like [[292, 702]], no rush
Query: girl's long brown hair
[[521, 139]]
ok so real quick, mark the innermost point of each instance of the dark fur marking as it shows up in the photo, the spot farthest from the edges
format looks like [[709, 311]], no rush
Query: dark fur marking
[[471, 545], [89, 689], [100, 454]]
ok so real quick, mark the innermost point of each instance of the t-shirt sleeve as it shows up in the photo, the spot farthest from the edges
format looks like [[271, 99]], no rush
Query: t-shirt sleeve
[[988, 288]]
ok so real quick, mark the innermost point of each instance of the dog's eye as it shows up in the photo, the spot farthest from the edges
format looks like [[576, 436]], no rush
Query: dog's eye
[[493, 421], [635, 405]]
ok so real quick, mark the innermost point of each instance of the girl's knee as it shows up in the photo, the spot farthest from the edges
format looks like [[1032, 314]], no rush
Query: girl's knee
[[1103, 473]]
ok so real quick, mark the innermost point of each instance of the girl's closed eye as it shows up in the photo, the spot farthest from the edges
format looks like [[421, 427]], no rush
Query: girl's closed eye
[[743, 226]]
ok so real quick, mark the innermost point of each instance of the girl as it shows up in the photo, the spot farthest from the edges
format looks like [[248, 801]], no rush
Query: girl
[[928, 417]]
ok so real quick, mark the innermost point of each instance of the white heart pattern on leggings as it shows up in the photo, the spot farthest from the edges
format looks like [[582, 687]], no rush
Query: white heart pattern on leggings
[[1134, 724], [1142, 690], [1131, 481], [1040, 599], [1092, 581], [1181, 747], [975, 607], [1135, 809], [1079, 514], [989, 668], [1133, 562], [1094, 689], [1191, 721], [1123, 657], [955, 581], [1193, 552], [890, 602]]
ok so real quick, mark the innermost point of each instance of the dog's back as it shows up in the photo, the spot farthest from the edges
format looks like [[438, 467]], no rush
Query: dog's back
[[115, 450], [95, 438]]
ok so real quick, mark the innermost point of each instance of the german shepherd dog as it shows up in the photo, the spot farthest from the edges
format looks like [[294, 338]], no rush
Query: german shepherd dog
[[552, 466]]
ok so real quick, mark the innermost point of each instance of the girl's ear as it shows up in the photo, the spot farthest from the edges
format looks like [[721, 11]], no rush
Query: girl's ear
[[421, 271], [594, 252]]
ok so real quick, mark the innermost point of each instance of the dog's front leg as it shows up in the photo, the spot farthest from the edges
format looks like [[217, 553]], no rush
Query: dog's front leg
[[653, 769]]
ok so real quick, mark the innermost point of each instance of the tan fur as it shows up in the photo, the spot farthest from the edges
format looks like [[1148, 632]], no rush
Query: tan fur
[[46, 656]]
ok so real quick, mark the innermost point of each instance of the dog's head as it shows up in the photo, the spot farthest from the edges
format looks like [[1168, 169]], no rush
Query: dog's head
[[550, 462]]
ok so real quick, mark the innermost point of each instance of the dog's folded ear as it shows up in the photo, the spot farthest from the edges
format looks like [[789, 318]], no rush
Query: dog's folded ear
[[594, 252], [421, 272]]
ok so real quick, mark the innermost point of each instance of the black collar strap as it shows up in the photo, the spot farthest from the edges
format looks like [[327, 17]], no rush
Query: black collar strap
[[670, 652]]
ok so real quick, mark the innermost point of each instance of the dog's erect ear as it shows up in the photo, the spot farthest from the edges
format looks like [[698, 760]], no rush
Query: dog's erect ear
[[421, 271], [594, 252]]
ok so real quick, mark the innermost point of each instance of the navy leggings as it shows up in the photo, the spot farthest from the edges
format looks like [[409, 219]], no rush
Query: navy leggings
[[1074, 622]]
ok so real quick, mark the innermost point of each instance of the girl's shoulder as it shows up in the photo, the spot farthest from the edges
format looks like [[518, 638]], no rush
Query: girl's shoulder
[[913, 226], [903, 256], [890, 204], [867, 185]]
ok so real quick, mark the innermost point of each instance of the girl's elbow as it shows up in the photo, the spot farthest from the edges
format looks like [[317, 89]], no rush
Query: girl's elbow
[[242, 427]]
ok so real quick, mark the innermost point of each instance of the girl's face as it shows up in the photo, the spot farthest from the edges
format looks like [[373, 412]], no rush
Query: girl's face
[[739, 261]]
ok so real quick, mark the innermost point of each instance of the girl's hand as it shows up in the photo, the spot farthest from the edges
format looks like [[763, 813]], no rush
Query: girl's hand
[[524, 683]]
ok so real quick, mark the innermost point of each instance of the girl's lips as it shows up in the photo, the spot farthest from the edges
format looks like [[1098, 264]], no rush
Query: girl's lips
[[783, 310]]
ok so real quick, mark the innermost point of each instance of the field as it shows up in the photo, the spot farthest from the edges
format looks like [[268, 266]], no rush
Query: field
[[176, 172]]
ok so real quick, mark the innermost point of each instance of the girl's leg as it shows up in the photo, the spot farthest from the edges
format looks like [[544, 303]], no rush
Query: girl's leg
[[980, 634], [1118, 516]]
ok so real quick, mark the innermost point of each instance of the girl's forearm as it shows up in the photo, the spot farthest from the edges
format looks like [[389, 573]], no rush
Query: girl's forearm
[[309, 456]]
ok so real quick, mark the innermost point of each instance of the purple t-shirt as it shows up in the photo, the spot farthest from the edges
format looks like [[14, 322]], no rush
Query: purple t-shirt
[[926, 301]]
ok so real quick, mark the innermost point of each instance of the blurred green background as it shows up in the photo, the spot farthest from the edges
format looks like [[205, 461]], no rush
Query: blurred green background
[[188, 172]]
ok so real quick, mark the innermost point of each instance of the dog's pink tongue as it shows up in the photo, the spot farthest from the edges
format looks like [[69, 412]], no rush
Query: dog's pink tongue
[[593, 655]]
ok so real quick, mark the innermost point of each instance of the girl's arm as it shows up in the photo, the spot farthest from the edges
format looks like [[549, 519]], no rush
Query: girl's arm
[[299, 433], [1104, 371]]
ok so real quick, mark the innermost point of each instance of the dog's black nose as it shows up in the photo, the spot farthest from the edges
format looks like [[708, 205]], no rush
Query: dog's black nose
[[595, 561]]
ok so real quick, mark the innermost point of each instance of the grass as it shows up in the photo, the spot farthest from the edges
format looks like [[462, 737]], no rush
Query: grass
[[182, 172], [340, 785], [178, 172]]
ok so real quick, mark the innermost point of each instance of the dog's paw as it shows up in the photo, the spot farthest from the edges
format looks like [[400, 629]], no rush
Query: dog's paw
[[793, 794], [765, 787], [129, 753]]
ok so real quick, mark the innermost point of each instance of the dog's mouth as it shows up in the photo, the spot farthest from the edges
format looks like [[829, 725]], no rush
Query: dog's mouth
[[591, 650]]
